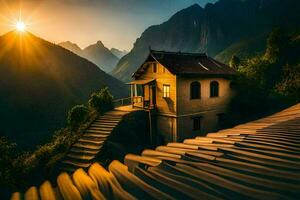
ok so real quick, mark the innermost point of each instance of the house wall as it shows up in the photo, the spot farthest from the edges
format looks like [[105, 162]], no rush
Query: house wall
[[162, 76], [209, 123], [166, 128], [206, 107], [174, 114], [166, 107]]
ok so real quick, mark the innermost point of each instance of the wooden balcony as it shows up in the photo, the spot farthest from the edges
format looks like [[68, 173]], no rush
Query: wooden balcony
[[136, 102]]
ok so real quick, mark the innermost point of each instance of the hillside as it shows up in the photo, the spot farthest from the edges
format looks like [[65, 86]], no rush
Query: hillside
[[97, 53], [211, 29], [71, 46], [245, 48], [118, 52], [101, 56], [39, 82]]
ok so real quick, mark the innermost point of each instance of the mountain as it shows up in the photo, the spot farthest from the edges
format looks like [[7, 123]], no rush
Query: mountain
[[39, 83], [96, 53], [101, 56], [211, 29], [243, 49], [72, 47], [118, 52]]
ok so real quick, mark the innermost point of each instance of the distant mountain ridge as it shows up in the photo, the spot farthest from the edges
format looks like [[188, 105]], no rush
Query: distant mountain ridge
[[211, 29], [39, 83], [96, 53], [118, 52], [71, 46]]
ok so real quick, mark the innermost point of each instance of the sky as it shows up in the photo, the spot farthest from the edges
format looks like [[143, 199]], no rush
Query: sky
[[117, 23]]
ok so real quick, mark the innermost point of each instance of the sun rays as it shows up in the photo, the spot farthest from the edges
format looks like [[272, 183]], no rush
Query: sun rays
[[21, 26]]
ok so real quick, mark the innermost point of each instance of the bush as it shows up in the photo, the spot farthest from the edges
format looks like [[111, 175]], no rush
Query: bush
[[77, 116], [266, 83], [101, 101]]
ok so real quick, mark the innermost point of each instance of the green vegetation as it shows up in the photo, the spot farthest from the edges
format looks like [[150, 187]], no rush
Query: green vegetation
[[77, 115], [101, 101], [269, 81], [243, 49], [19, 170]]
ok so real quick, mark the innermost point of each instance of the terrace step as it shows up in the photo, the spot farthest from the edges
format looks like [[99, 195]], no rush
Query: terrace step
[[107, 123], [97, 137], [98, 131], [83, 152], [80, 157], [102, 125], [86, 146], [72, 163], [101, 128], [89, 141]]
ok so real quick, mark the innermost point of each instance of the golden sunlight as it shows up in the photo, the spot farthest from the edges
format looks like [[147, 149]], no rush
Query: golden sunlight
[[20, 26]]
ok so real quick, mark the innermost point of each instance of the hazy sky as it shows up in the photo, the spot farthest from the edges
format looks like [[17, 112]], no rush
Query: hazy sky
[[117, 23]]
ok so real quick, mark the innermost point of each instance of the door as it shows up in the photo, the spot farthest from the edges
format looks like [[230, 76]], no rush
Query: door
[[153, 95]]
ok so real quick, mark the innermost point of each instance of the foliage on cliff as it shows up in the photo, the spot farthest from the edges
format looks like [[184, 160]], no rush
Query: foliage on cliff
[[269, 81]]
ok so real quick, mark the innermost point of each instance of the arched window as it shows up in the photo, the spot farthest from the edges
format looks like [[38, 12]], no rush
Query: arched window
[[214, 89], [195, 90]]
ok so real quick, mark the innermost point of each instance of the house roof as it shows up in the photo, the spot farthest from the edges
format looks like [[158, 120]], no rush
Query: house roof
[[256, 160], [141, 82], [179, 63]]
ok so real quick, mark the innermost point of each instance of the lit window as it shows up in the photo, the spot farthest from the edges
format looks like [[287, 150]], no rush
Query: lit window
[[197, 123], [195, 89], [214, 89], [154, 67], [166, 90]]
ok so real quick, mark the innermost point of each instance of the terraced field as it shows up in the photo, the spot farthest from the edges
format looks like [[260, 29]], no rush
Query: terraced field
[[256, 160]]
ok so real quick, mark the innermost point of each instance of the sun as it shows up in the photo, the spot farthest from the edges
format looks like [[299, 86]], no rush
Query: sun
[[20, 26]]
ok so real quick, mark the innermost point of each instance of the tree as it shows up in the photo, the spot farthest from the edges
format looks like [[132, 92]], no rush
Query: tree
[[235, 62], [276, 45], [101, 101], [290, 84], [77, 115]]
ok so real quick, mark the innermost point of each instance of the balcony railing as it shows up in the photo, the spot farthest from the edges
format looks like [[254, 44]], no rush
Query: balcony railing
[[138, 101]]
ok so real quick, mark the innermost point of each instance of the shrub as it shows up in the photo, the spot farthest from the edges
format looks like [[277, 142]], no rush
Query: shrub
[[101, 101], [235, 62], [77, 115], [95, 102]]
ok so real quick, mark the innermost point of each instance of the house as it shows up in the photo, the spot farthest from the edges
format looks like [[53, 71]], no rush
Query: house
[[190, 92]]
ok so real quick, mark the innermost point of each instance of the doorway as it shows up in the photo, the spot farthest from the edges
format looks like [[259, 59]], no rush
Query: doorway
[[153, 95]]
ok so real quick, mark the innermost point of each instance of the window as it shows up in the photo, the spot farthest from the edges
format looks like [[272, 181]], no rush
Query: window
[[196, 123], [195, 88], [214, 89], [154, 67], [166, 90]]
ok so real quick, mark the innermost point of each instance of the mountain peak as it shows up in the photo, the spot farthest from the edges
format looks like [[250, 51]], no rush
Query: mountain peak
[[195, 6], [100, 43], [118, 53], [71, 46]]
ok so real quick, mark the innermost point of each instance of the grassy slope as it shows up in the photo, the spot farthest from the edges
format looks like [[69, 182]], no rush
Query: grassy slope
[[245, 48]]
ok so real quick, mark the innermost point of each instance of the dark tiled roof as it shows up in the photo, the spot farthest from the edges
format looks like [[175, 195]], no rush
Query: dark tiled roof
[[179, 63], [256, 160]]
